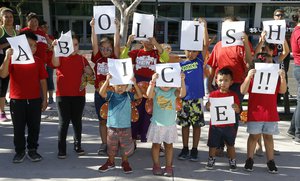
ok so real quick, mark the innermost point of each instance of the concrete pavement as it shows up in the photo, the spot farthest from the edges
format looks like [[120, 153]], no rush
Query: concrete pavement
[[85, 167]]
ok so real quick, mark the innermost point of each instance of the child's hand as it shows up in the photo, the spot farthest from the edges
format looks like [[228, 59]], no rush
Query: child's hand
[[182, 75], [207, 105], [108, 77], [54, 43], [236, 108], [281, 73], [202, 20], [133, 79], [9, 52], [154, 77], [92, 22], [245, 38], [263, 35], [130, 40], [251, 73]]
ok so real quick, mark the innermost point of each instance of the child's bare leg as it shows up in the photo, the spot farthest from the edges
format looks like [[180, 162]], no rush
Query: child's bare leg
[[103, 131], [185, 136], [251, 144], [196, 136], [169, 154], [269, 145], [231, 152], [212, 151], [111, 158], [258, 149], [155, 154], [124, 158]]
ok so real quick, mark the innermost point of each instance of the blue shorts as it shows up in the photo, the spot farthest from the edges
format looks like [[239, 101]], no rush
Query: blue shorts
[[270, 128], [217, 135]]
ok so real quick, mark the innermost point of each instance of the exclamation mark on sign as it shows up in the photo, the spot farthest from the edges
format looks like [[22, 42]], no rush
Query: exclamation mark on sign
[[260, 80], [268, 80]]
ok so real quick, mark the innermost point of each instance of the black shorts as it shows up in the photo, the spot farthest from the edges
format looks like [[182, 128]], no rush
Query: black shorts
[[216, 135], [3, 86]]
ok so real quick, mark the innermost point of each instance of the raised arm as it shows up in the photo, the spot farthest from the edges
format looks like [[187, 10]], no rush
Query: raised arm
[[245, 85], [55, 60], [104, 86], [150, 91], [283, 86], [182, 91], [94, 38], [205, 37], [248, 54], [261, 42], [125, 51], [164, 55]]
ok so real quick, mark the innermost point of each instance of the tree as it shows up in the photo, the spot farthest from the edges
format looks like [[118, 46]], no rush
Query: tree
[[17, 6], [125, 13]]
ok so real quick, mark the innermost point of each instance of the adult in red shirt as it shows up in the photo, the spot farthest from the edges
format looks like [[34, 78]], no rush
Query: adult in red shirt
[[42, 41], [70, 100], [26, 104], [294, 129]]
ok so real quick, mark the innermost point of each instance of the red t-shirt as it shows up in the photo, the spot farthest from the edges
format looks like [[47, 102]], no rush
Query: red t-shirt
[[25, 79], [295, 44], [217, 94], [42, 44], [100, 67], [231, 57], [262, 107], [69, 75], [144, 62]]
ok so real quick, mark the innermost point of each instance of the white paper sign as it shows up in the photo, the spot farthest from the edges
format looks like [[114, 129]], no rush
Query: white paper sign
[[168, 75], [192, 33], [104, 19], [265, 78], [121, 71], [41, 39], [142, 26], [276, 30], [64, 45], [232, 33], [221, 110], [22, 52]]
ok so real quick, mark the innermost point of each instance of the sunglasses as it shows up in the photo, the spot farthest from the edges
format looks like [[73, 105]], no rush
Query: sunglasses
[[105, 49], [282, 15]]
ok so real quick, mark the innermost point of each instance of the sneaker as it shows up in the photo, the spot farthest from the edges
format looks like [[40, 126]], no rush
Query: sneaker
[[79, 150], [50, 100], [102, 149], [184, 154], [161, 151], [194, 155], [34, 156], [19, 157], [126, 167], [210, 163], [272, 167], [107, 166], [156, 170], [3, 117], [232, 164], [249, 165], [168, 172], [61, 155]]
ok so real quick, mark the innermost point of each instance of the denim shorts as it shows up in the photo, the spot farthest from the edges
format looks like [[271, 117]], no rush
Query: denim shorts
[[270, 128]]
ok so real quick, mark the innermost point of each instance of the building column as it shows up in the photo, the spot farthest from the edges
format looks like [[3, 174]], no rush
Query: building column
[[46, 13], [187, 11], [257, 14]]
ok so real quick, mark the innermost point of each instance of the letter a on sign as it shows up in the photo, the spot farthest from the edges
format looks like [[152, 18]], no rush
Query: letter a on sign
[[104, 19], [232, 33], [221, 110], [22, 52], [121, 71], [64, 45], [191, 35], [142, 26]]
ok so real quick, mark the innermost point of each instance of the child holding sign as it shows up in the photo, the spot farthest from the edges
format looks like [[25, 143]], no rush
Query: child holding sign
[[191, 113], [107, 49], [118, 123], [26, 83], [223, 132], [262, 118], [163, 122], [144, 60]]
